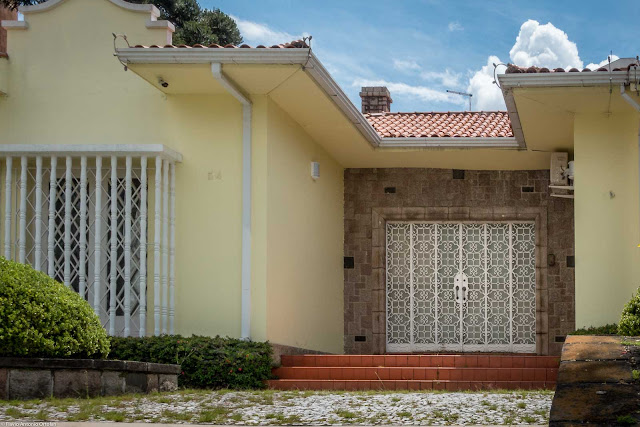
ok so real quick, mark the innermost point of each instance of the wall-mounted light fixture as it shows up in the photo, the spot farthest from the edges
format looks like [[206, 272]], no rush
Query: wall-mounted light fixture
[[315, 170]]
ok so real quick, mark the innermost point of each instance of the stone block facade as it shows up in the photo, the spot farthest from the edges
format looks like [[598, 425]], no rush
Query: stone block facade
[[373, 196]]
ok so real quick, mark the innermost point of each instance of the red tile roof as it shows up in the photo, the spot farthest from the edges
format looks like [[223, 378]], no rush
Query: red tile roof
[[485, 124], [296, 44], [514, 69]]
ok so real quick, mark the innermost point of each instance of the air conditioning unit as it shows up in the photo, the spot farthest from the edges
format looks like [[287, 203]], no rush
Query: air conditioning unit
[[561, 176]]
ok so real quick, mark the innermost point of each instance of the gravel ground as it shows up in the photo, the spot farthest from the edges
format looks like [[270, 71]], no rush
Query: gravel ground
[[295, 408]]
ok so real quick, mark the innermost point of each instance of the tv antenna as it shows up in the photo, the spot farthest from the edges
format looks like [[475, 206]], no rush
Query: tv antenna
[[468, 95]]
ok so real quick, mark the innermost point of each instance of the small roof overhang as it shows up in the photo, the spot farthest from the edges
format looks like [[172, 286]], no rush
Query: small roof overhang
[[542, 105]]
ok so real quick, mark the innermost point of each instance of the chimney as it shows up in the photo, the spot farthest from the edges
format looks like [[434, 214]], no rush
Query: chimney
[[375, 99], [7, 15]]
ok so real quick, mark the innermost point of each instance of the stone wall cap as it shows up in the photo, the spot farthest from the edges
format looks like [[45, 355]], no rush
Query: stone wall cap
[[101, 364]]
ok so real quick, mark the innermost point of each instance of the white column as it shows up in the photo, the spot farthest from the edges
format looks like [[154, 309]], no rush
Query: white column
[[53, 192], [127, 249], [97, 249], [165, 244], [114, 245], [156, 247], [38, 241], [7, 208], [172, 246], [82, 268], [67, 223], [143, 246], [22, 245]]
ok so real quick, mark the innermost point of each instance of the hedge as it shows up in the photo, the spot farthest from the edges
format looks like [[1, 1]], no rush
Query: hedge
[[40, 317], [630, 319], [609, 329], [206, 362]]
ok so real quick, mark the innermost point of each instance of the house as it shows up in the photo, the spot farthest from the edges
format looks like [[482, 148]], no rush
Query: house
[[237, 191]]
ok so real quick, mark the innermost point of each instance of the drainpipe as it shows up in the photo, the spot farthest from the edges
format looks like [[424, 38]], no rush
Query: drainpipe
[[636, 106], [218, 74]]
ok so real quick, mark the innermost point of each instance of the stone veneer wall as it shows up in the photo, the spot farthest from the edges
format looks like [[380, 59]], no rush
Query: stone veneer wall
[[433, 194], [37, 378]]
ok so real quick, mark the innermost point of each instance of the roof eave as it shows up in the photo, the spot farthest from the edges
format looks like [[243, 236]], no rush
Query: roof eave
[[300, 56], [511, 81]]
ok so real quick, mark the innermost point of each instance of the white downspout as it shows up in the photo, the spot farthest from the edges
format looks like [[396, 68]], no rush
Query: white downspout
[[216, 70]]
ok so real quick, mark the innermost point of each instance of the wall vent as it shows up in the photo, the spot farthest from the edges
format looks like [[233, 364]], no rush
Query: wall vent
[[349, 262], [458, 174]]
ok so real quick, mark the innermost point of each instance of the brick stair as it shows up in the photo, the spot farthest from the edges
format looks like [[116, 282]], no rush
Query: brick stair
[[416, 372]]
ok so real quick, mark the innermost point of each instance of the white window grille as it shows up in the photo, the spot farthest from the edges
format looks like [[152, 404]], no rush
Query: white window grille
[[80, 214]]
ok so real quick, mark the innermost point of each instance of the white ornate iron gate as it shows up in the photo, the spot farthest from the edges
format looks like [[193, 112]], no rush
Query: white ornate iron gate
[[454, 286]]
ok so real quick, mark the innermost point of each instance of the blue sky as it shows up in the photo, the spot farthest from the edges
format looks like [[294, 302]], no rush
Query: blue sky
[[421, 48]]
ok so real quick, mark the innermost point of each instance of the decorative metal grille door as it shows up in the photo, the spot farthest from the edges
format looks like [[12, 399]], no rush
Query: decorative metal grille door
[[461, 286]]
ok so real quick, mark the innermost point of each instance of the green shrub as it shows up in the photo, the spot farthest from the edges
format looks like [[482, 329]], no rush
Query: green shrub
[[630, 319], [206, 362], [609, 329], [39, 317]]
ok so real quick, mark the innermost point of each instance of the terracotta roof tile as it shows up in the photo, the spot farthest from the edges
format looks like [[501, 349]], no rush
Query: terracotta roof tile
[[490, 124], [515, 69], [296, 44]]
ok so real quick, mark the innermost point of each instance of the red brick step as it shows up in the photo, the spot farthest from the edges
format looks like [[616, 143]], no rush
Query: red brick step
[[288, 384], [416, 372]]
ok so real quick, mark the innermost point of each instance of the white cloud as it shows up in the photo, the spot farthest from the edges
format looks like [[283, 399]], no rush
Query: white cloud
[[486, 95], [422, 93], [408, 65], [537, 45], [255, 33], [544, 46], [448, 78], [593, 66], [455, 26]]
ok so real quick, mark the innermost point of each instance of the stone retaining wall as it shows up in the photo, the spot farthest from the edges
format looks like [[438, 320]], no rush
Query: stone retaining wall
[[36, 378]]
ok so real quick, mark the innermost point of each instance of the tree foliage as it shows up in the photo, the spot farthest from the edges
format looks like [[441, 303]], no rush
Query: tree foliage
[[193, 24]]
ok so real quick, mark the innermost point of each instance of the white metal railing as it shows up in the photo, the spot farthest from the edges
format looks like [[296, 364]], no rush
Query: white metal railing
[[79, 213]]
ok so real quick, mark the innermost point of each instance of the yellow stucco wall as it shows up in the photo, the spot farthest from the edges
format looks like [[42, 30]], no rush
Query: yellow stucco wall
[[607, 230], [305, 240], [65, 87]]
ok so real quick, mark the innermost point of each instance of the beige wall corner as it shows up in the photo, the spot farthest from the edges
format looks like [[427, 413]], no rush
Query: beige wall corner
[[259, 231], [304, 240], [607, 216]]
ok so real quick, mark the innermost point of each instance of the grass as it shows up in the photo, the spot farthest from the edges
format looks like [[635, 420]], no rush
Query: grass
[[635, 374]]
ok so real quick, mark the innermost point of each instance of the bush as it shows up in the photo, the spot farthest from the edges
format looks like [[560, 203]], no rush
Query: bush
[[206, 362], [630, 319], [609, 329], [40, 317]]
